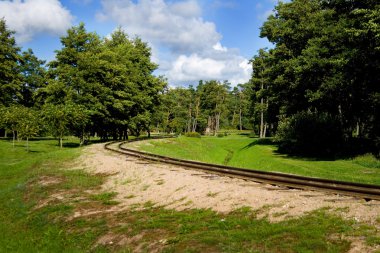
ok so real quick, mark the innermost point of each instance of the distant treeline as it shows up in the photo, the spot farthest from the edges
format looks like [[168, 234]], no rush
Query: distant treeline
[[317, 91]]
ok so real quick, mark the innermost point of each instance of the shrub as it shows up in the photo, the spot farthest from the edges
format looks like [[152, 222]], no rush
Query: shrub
[[220, 135], [193, 134], [310, 134]]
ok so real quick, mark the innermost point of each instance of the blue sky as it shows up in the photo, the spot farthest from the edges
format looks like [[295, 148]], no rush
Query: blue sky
[[190, 39]]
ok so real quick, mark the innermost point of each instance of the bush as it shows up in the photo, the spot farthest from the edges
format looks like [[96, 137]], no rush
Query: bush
[[193, 134], [220, 135], [310, 134]]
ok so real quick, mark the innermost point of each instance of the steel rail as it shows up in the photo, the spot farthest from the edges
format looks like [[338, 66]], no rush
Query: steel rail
[[364, 191]]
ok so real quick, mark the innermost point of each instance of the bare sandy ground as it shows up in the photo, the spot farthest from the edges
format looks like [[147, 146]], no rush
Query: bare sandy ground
[[137, 181]]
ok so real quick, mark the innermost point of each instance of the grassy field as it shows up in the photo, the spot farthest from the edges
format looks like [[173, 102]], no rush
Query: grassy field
[[34, 219], [241, 151]]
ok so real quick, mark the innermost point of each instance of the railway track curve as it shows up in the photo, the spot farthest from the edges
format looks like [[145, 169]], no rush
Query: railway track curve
[[359, 190]]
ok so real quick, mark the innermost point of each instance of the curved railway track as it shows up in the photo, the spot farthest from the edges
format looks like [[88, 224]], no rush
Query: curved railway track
[[359, 190]]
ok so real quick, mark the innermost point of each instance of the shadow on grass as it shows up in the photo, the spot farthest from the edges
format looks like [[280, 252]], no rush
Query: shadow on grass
[[348, 149], [249, 135], [264, 141], [279, 153], [42, 139], [304, 157]]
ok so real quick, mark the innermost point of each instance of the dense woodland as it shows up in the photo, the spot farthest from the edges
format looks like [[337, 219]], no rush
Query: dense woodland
[[316, 91]]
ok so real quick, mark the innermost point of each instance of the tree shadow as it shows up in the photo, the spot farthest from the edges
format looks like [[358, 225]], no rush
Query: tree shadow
[[70, 145], [248, 135], [263, 141], [279, 153], [303, 157], [43, 139]]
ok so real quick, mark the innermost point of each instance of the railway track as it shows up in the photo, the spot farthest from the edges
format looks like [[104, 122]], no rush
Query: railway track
[[359, 190]]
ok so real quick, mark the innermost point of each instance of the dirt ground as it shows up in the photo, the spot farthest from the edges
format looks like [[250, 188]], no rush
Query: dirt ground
[[137, 181]]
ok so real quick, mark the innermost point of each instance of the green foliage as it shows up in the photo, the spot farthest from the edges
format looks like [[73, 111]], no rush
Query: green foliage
[[311, 134], [33, 78], [61, 120], [111, 79], [193, 134], [220, 135], [325, 59], [10, 78]]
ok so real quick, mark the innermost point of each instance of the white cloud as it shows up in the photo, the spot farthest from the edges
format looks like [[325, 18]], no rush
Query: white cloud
[[219, 47], [187, 47], [31, 17], [190, 69], [178, 26]]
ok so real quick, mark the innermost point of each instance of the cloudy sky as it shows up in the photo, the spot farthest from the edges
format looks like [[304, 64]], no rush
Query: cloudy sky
[[190, 39]]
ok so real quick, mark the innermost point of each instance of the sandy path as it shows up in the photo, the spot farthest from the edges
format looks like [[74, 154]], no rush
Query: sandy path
[[138, 181]]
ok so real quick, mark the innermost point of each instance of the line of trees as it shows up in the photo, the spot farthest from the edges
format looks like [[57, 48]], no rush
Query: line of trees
[[94, 86], [317, 91], [208, 108], [319, 86]]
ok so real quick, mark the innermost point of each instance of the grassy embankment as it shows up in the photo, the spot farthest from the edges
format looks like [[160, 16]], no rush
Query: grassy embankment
[[39, 196], [241, 151]]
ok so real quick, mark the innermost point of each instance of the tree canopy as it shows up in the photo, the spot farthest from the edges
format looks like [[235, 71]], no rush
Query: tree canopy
[[325, 61]]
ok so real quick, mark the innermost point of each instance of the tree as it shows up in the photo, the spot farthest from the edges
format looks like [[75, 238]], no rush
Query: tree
[[9, 72], [33, 78], [325, 60], [213, 95], [28, 124], [133, 90], [12, 116], [111, 79], [74, 78], [239, 106], [260, 84], [58, 118]]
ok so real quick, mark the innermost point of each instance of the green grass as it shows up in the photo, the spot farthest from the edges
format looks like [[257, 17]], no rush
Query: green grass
[[32, 221], [241, 151], [23, 226], [241, 231], [105, 198]]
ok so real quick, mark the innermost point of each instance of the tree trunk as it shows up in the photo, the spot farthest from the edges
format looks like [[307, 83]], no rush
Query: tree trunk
[[240, 123], [5, 133], [60, 142], [189, 121], [27, 144], [262, 112], [194, 125], [265, 130], [209, 125], [81, 139], [196, 115], [262, 119], [217, 123], [14, 137], [167, 124], [233, 119], [357, 129]]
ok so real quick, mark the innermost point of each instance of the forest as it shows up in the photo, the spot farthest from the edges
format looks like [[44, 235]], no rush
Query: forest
[[316, 91]]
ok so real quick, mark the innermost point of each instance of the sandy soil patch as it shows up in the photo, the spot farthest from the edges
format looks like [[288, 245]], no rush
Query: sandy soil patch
[[137, 181], [173, 187]]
